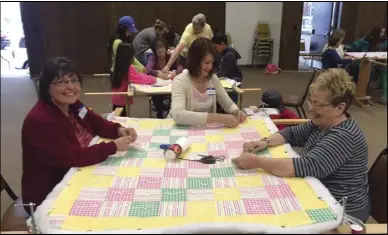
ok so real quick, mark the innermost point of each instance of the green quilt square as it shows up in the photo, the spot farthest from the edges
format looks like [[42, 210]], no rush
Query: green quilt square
[[173, 139], [153, 145], [113, 161], [144, 209], [174, 195], [222, 172], [136, 153], [179, 127], [199, 183], [321, 215], [161, 132]]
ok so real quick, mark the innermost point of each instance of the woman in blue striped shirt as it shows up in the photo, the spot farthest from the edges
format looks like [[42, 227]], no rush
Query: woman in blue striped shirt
[[334, 147]]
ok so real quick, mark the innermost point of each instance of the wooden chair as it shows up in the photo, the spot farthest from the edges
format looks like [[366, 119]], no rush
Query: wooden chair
[[297, 101], [377, 177], [14, 218]]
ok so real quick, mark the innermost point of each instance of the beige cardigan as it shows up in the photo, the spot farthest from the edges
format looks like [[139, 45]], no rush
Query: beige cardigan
[[181, 100]]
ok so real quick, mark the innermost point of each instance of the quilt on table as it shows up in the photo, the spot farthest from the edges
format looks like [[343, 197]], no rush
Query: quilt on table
[[141, 190]]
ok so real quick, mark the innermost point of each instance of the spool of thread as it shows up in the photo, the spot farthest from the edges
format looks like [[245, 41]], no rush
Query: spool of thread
[[176, 149], [356, 229]]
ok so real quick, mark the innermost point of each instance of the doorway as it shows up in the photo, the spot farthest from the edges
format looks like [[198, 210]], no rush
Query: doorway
[[318, 21], [14, 59]]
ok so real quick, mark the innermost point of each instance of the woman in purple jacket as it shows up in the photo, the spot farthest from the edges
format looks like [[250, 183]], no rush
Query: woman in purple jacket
[[154, 66]]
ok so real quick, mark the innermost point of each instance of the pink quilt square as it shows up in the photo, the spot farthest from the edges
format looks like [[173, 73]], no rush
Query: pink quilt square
[[248, 136], [149, 182], [268, 179], [118, 194], [237, 144], [258, 207], [175, 172], [279, 191], [196, 132], [87, 208]]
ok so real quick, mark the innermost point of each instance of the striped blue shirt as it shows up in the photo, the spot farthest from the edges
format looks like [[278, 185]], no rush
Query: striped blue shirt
[[338, 157]]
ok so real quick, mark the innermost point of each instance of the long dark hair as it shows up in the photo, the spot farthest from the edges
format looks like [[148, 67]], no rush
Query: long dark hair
[[124, 58], [120, 34]]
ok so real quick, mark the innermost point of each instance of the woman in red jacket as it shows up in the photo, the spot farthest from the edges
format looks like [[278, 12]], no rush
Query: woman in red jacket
[[57, 131]]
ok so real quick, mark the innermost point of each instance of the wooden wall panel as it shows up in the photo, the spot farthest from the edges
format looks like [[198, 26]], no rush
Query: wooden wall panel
[[81, 30]]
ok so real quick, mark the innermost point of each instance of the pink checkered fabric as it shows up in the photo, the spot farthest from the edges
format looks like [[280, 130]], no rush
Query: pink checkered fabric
[[272, 180], [149, 182], [87, 208], [280, 191], [119, 194], [196, 132], [175, 172], [249, 136], [234, 144], [258, 207]]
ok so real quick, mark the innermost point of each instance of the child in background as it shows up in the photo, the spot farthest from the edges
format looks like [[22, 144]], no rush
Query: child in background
[[273, 99], [124, 74], [331, 58]]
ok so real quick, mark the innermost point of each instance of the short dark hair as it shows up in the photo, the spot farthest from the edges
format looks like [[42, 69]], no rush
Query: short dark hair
[[340, 32], [220, 38], [334, 39], [200, 48], [158, 42], [55, 67]]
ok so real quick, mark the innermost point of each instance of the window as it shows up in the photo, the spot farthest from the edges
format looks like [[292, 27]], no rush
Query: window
[[22, 43]]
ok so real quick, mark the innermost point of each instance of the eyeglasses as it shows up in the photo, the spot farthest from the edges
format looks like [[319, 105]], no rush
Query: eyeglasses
[[64, 83], [316, 105]]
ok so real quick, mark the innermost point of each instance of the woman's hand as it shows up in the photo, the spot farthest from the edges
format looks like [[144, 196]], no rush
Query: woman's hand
[[166, 69], [123, 143], [163, 76], [130, 132], [240, 115], [228, 120], [255, 146], [246, 161]]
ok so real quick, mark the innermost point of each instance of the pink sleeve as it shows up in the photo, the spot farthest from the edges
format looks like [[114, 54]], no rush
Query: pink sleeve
[[139, 78]]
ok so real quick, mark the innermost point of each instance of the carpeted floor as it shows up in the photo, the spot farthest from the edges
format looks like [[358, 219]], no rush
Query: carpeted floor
[[18, 95]]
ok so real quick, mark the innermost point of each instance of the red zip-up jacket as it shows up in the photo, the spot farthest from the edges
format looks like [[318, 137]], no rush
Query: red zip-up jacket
[[286, 114], [50, 147]]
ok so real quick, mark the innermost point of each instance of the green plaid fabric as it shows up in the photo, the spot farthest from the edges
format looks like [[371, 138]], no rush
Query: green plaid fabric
[[173, 139], [161, 132], [321, 215], [222, 172], [174, 195], [136, 153], [113, 161], [199, 183], [144, 209]]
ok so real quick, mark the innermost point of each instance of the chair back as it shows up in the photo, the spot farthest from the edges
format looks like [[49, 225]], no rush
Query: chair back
[[377, 177], [5, 186], [313, 76]]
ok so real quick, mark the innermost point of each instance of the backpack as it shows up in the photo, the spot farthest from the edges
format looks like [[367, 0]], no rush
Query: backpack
[[272, 69]]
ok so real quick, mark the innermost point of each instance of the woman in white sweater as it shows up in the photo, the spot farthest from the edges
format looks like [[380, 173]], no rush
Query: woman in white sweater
[[197, 90]]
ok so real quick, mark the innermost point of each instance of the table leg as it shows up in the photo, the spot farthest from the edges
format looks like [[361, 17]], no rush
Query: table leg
[[128, 106], [362, 84]]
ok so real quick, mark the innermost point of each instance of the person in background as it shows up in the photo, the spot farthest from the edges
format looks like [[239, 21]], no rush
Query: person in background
[[340, 48], [124, 33], [330, 58], [172, 37], [144, 39], [154, 65], [227, 65], [125, 74], [273, 99], [381, 71], [57, 132], [367, 43], [334, 147], [197, 90], [197, 28]]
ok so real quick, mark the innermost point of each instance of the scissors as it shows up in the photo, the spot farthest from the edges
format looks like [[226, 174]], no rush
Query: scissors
[[207, 159]]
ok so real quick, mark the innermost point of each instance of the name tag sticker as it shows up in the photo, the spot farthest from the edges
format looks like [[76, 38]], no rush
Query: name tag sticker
[[211, 91], [82, 112]]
